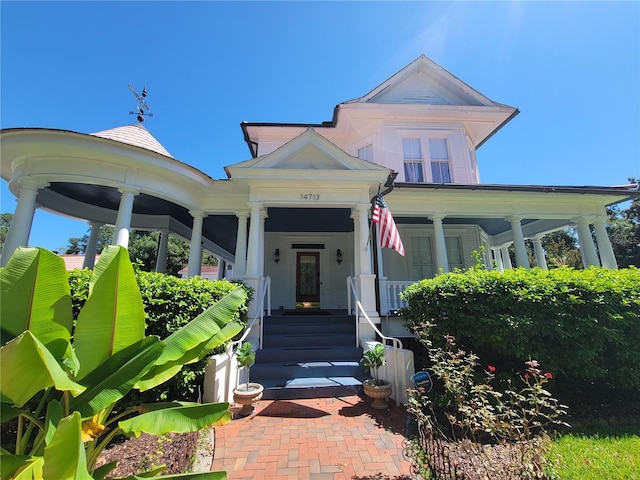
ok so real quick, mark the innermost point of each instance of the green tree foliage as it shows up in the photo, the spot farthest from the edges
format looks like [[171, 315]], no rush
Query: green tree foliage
[[583, 324], [5, 222], [561, 249], [624, 232]]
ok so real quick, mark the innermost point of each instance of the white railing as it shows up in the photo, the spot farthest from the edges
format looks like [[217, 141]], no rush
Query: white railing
[[394, 289], [264, 293], [396, 344]]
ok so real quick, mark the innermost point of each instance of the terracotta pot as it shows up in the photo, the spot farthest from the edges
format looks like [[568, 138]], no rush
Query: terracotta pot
[[379, 393], [247, 397]]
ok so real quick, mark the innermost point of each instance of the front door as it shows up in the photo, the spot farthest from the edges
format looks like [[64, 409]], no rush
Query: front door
[[308, 280]]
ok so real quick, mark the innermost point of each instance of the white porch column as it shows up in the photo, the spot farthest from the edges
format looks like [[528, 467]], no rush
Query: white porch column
[[222, 265], [20, 228], [195, 249], [253, 251], [355, 216], [607, 256], [92, 246], [240, 267], [364, 249], [537, 247], [123, 220], [163, 250], [365, 279], [522, 260], [442, 262], [263, 217], [587, 248], [498, 258], [506, 258]]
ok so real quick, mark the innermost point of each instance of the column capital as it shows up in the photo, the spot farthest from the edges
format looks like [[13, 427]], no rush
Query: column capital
[[30, 183], [122, 188], [437, 216], [601, 220], [197, 214], [513, 218], [583, 220], [242, 214]]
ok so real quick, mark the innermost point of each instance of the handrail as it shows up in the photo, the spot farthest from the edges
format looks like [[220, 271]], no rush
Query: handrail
[[265, 286], [396, 343]]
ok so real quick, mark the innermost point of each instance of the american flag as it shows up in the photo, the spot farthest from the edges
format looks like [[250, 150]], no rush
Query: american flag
[[389, 235]]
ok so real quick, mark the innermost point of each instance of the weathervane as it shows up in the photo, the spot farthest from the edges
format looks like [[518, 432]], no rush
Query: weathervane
[[143, 109]]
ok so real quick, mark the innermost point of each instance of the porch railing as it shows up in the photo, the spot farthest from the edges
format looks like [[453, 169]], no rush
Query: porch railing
[[394, 289], [396, 344], [264, 294]]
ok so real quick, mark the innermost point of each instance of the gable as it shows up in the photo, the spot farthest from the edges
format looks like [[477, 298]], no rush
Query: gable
[[308, 151], [425, 82]]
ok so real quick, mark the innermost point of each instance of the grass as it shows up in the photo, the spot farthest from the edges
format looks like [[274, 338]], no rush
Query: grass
[[598, 452]]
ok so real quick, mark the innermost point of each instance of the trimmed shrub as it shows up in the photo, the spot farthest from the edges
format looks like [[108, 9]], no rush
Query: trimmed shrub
[[169, 303], [583, 324]]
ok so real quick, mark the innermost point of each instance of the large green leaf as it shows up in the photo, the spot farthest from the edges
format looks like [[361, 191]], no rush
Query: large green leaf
[[113, 379], [211, 328], [113, 315], [20, 467], [182, 419], [36, 296], [64, 457], [26, 367]]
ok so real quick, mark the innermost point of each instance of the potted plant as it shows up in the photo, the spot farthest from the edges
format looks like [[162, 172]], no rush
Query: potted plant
[[247, 393], [378, 390]]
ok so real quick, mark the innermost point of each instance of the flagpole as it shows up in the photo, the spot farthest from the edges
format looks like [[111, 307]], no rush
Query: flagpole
[[371, 208]]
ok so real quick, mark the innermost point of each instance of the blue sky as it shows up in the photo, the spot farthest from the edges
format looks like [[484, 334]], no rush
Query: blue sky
[[571, 68]]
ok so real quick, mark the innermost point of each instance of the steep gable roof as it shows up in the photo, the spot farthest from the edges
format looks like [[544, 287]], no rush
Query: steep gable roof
[[425, 82], [135, 135]]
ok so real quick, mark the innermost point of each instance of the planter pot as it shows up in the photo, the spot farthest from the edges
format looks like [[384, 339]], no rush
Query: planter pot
[[379, 393], [247, 396]]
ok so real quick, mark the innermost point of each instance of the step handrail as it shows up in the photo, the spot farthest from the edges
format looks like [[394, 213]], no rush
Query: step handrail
[[396, 344], [265, 286]]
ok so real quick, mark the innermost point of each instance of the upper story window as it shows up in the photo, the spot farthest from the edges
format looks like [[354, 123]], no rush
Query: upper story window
[[412, 155], [439, 153], [366, 153]]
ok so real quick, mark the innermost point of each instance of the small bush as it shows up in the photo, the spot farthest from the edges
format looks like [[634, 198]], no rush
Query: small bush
[[169, 303], [582, 324]]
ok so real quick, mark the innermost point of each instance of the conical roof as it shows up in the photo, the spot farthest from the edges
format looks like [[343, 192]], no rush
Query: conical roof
[[135, 135]]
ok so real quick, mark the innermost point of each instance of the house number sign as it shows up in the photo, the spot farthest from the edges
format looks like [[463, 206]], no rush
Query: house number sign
[[311, 197]]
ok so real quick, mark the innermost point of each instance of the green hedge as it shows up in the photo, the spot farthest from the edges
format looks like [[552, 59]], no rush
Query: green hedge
[[583, 324], [169, 303]]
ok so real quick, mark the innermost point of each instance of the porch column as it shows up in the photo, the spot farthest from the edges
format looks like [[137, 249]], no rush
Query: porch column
[[587, 248], [253, 251], [221, 268], [123, 220], [537, 247], [240, 266], [194, 266], [364, 249], [382, 280], [365, 279], [20, 228], [522, 260], [92, 246], [607, 256], [161, 254], [442, 262], [263, 217], [498, 258], [506, 258], [355, 216]]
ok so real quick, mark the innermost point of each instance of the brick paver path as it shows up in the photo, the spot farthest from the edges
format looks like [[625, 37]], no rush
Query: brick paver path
[[315, 439]]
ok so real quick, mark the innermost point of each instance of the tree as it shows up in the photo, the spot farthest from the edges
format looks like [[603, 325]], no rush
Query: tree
[[561, 249], [5, 222], [624, 232]]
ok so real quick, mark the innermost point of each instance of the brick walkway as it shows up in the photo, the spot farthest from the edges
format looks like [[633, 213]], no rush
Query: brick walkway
[[314, 439]]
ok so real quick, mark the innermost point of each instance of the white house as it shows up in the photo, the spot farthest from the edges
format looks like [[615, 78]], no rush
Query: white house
[[298, 211]]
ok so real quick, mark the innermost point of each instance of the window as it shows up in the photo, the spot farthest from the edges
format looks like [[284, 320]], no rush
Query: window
[[421, 258], [412, 154], [454, 252], [366, 153], [439, 154]]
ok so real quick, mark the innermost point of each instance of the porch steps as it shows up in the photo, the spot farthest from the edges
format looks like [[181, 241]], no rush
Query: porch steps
[[309, 356]]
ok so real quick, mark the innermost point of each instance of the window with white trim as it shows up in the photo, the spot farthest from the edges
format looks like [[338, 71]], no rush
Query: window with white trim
[[439, 155], [421, 258], [366, 153], [454, 252], [412, 155]]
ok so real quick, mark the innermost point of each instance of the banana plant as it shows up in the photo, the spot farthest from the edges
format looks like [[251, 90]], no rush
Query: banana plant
[[62, 383]]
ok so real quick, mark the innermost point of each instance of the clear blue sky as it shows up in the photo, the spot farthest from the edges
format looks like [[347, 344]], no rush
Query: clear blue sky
[[571, 68]]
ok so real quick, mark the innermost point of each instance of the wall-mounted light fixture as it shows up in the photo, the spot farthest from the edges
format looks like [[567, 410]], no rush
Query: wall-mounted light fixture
[[339, 257], [276, 255]]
